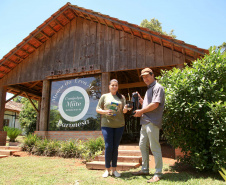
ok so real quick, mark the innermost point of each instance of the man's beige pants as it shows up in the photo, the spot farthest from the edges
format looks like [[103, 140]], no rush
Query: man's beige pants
[[149, 135]]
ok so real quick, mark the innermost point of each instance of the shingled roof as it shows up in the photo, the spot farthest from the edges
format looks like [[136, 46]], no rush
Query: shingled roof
[[66, 14], [13, 106]]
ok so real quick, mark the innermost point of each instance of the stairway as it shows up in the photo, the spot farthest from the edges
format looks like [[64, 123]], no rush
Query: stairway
[[129, 156], [6, 151]]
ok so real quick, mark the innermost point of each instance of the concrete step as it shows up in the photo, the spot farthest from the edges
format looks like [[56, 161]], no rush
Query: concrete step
[[129, 153], [10, 148], [127, 159], [100, 165], [7, 152], [129, 147], [2, 156]]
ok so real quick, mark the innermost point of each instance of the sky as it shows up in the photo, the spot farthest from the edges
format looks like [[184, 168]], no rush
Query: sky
[[198, 22]]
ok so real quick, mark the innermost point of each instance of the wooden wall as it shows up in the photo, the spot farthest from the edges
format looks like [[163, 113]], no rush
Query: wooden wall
[[83, 43]]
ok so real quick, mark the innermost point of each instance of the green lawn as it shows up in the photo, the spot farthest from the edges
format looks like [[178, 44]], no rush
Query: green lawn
[[54, 170]]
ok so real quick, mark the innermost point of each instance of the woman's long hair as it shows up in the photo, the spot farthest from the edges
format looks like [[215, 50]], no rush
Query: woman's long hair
[[117, 93]]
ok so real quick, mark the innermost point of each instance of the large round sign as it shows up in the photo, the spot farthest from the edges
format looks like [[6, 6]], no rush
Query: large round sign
[[73, 103]]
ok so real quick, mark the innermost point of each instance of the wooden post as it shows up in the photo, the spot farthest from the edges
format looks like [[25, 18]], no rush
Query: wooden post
[[180, 66], [38, 115], [3, 91], [105, 78], [3, 134], [44, 112]]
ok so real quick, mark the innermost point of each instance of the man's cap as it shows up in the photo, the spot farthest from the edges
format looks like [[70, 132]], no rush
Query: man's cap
[[146, 71]]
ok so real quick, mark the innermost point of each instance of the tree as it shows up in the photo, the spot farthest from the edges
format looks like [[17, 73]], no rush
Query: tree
[[195, 113], [155, 25], [18, 99], [222, 47], [28, 116]]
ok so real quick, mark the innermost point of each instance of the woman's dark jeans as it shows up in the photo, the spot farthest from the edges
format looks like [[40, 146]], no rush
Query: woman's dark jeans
[[112, 138]]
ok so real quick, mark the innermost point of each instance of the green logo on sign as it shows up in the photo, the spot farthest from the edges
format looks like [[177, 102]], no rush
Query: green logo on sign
[[73, 103]]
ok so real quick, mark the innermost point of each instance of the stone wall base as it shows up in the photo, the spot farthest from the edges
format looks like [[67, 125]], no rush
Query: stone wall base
[[66, 135], [3, 136]]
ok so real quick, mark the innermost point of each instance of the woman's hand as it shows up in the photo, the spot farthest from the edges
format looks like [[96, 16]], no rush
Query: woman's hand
[[125, 109], [108, 112]]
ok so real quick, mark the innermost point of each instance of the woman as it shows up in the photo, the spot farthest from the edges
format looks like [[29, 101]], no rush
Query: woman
[[112, 106]]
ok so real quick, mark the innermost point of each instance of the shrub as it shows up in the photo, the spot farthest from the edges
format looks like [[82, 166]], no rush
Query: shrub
[[12, 133], [72, 148], [39, 147], [194, 117], [68, 149], [52, 148], [93, 147], [29, 142], [95, 144]]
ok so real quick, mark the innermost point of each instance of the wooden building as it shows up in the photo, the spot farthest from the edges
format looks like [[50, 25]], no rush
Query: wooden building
[[11, 115], [78, 50]]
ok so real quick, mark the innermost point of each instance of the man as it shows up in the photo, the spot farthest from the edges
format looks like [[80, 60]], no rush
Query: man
[[151, 122]]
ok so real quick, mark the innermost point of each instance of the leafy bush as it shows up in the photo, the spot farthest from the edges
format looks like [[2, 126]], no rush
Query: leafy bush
[[52, 148], [29, 142], [39, 147], [68, 149], [72, 148], [94, 147], [194, 117], [95, 144], [12, 133]]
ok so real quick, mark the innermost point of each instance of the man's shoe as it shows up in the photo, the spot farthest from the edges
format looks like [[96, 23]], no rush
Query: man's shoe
[[140, 173], [155, 178]]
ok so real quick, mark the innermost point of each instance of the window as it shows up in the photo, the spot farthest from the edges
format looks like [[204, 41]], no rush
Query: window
[[6, 122]]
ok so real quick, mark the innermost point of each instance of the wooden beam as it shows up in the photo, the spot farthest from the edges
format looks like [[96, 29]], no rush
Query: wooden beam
[[24, 89], [34, 84], [14, 96], [31, 102], [132, 85]]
